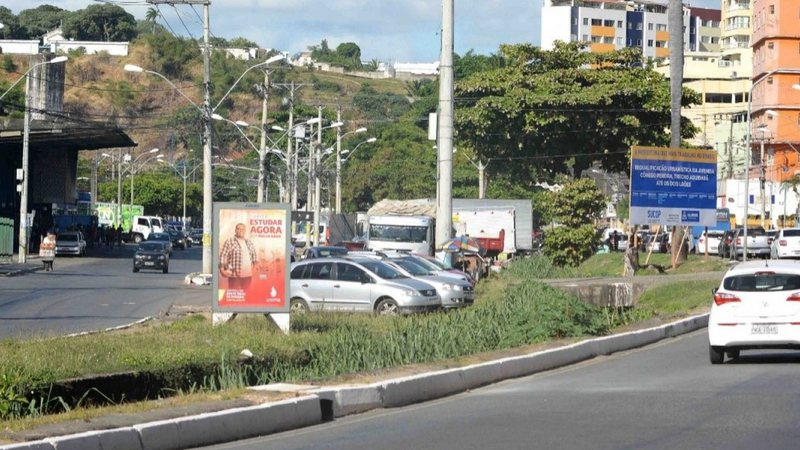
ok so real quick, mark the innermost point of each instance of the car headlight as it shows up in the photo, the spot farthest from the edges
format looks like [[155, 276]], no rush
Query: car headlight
[[161, 257], [411, 293], [138, 256]]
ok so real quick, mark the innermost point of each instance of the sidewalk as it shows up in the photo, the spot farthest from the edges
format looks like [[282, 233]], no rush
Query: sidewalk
[[13, 268]]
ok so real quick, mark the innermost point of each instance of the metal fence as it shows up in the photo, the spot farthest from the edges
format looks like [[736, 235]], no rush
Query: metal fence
[[6, 240]]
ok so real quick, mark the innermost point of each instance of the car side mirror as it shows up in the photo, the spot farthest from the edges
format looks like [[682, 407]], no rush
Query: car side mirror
[[714, 291]]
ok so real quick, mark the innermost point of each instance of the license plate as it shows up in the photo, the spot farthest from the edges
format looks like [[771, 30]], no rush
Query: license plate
[[764, 329], [149, 263]]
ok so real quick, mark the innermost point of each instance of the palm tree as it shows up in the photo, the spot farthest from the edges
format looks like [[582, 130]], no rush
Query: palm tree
[[792, 183], [151, 16]]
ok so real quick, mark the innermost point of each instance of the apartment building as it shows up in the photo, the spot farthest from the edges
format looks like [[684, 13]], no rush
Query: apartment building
[[775, 115], [611, 25]]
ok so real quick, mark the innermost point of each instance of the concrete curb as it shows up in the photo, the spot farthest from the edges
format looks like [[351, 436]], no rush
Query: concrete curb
[[336, 401]]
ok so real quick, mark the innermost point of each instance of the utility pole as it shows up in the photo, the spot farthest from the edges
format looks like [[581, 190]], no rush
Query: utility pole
[[317, 187], [338, 162], [208, 199], [262, 152], [444, 203], [762, 179], [291, 156]]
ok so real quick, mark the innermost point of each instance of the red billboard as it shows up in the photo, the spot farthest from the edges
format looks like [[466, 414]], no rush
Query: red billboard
[[251, 259]]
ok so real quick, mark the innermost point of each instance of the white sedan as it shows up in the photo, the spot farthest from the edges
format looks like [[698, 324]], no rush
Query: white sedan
[[786, 244], [757, 305]]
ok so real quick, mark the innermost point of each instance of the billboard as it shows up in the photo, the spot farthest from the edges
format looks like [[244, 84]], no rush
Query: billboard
[[251, 257], [673, 186]]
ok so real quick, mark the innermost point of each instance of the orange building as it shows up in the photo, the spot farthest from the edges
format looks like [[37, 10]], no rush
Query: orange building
[[775, 102]]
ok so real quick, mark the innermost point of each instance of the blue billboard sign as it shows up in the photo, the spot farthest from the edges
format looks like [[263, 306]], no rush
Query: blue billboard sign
[[673, 186]]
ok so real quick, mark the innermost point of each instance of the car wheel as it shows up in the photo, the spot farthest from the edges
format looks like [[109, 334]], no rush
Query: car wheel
[[716, 354], [387, 307], [732, 353], [166, 269], [298, 305], [137, 239]]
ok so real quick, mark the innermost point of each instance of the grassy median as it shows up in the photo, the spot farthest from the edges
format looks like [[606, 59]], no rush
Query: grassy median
[[40, 377]]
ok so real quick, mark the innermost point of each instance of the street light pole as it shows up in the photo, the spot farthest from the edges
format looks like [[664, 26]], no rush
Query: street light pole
[[26, 131]]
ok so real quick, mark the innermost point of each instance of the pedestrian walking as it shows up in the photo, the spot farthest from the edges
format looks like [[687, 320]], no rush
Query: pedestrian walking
[[47, 251], [118, 235]]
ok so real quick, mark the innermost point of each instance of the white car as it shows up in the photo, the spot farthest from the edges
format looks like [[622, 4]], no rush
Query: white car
[[786, 244], [757, 305], [713, 239]]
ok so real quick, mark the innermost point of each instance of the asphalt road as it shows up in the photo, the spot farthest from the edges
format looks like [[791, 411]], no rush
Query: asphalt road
[[664, 396], [95, 292]]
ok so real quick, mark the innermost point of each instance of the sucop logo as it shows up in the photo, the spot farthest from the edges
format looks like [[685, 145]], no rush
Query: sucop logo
[[653, 214]]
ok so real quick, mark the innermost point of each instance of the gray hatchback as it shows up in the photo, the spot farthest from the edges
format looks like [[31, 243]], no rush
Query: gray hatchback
[[358, 285]]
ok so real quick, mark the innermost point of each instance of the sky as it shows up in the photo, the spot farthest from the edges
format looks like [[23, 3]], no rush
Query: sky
[[386, 30]]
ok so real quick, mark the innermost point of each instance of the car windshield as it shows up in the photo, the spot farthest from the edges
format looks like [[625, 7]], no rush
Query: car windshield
[[68, 237], [383, 270], [791, 233], [411, 267], [151, 247], [158, 237], [398, 233], [762, 281]]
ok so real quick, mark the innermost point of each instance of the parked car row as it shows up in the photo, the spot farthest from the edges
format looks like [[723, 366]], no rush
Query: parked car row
[[375, 282]]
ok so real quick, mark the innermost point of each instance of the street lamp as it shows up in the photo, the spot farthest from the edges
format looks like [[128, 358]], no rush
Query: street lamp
[[339, 137], [184, 176], [339, 162], [206, 110], [23, 199], [749, 143], [132, 168]]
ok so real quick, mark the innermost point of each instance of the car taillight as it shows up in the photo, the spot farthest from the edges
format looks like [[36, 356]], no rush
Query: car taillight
[[769, 241], [794, 297], [700, 241], [782, 242], [720, 298], [738, 241]]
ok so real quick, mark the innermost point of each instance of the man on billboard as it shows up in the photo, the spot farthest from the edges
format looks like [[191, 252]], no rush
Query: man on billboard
[[238, 259]]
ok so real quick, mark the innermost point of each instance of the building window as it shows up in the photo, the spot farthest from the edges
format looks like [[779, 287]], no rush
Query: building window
[[650, 26], [585, 38], [639, 42], [772, 9], [661, 27], [586, 21], [574, 20], [608, 23], [597, 22], [630, 25], [619, 24], [639, 26], [619, 41], [769, 80], [770, 45], [649, 42]]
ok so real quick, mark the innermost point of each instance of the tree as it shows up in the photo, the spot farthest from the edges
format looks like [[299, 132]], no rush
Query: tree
[[576, 207], [561, 110], [10, 23], [34, 23], [172, 56], [103, 22], [151, 16]]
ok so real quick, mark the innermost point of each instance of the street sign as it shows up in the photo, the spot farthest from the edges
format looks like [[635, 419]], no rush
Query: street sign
[[673, 186]]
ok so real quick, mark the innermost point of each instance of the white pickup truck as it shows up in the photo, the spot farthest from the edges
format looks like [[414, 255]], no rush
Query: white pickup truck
[[758, 243]]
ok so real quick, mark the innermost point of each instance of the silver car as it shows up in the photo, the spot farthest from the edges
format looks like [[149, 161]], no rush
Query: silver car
[[455, 293], [358, 285], [70, 243]]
